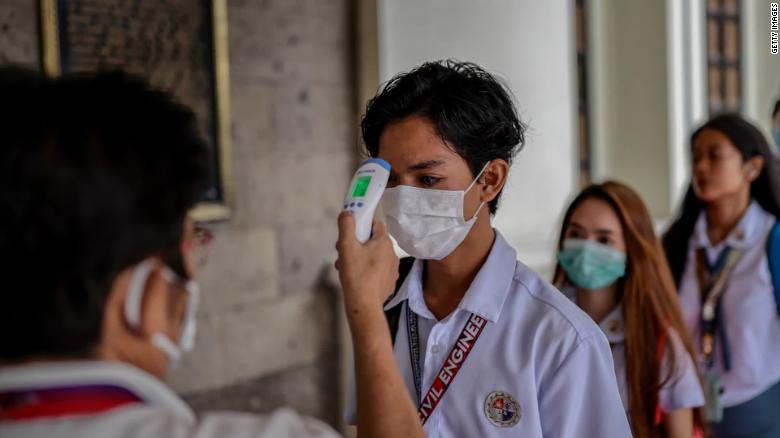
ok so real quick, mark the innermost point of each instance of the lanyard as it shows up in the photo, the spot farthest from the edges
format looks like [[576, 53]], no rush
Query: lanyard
[[452, 364], [56, 402], [712, 285]]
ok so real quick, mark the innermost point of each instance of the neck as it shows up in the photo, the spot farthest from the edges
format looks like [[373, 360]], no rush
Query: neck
[[599, 302], [446, 281], [723, 215]]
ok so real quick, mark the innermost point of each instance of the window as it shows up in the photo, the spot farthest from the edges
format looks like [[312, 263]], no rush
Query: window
[[583, 121], [724, 56]]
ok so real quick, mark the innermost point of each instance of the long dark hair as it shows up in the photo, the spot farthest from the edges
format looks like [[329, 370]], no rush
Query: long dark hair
[[750, 143], [650, 304]]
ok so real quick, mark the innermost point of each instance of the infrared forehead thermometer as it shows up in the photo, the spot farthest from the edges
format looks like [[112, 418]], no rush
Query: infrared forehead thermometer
[[364, 194]]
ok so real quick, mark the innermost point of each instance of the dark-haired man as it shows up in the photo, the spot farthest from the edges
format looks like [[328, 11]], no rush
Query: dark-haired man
[[97, 174], [486, 347]]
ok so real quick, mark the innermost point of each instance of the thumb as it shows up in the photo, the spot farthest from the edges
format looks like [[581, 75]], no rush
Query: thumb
[[346, 228]]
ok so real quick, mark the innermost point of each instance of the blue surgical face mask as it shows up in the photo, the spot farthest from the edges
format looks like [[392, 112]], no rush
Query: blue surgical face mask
[[591, 265], [776, 135]]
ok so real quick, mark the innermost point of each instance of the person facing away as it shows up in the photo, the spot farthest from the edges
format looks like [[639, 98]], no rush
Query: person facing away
[[717, 249], [612, 265], [486, 347], [97, 256]]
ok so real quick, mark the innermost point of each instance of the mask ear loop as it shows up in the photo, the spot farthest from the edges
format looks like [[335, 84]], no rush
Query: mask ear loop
[[472, 185], [477, 178], [187, 336], [135, 293]]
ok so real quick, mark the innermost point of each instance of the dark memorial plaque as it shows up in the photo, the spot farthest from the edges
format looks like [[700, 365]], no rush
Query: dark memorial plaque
[[178, 45]]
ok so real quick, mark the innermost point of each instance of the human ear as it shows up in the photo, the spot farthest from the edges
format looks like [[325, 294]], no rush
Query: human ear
[[493, 179], [754, 166]]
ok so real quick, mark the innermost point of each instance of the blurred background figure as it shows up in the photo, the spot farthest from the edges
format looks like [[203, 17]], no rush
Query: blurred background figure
[[611, 89], [723, 249], [99, 175], [612, 265]]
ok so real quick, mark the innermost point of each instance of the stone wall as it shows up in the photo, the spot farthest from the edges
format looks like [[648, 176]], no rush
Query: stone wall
[[267, 330]]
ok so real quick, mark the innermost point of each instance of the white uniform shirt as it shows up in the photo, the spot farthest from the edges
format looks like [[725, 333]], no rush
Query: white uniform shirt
[[538, 349], [681, 390], [752, 322], [162, 414]]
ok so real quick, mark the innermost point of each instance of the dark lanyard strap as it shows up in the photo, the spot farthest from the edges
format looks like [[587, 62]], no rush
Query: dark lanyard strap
[[414, 350], [712, 285], [454, 361]]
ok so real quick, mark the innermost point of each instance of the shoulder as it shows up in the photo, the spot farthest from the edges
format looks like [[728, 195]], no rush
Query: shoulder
[[155, 421], [680, 387], [544, 302], [281, 423]]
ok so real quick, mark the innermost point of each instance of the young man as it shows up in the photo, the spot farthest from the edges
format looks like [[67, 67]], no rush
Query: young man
[[485, 346], [97, 174]]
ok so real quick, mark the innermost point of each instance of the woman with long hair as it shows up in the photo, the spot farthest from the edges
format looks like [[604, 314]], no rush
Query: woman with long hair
[[718, 252], [611, 264]]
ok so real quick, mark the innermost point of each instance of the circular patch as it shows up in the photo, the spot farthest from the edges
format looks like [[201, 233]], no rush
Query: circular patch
[[502, 409]]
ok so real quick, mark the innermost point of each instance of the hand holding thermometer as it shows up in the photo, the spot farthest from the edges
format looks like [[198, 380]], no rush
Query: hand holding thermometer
[[364, 194]]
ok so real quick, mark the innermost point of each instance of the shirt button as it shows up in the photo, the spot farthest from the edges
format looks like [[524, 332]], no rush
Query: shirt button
[[435, 349]]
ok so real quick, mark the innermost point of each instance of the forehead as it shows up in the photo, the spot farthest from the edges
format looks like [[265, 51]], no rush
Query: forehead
[[412, 140], [595, 213], [711, 138]]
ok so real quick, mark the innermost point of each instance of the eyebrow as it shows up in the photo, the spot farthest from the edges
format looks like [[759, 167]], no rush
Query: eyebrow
[[425, 165], [597, 231]]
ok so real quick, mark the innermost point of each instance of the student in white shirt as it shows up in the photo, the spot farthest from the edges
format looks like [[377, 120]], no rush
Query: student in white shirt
[[97, 256], [612, 265], [717, 250], [486, 347]]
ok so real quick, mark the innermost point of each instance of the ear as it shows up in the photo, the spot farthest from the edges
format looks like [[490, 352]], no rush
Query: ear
[[493, 179], [754, 167], [151, 314]]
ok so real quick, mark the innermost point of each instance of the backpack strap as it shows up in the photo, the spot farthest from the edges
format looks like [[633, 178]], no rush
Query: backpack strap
[[773, 259], [393, 314]]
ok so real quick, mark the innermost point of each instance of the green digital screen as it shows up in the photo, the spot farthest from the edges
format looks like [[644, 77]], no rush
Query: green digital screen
[[361, 186]]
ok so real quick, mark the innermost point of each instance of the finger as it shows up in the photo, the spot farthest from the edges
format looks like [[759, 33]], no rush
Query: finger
[[346, 229], [378, 230]]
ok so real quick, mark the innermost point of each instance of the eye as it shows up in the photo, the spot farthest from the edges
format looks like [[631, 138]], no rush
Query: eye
[[605, 240], [575, 234], [429, 181], [714, 155]]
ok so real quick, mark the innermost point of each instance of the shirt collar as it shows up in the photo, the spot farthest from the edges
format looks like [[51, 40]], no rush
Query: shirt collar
[[484, 297], [746, 234], [94, 372], [612, 325]]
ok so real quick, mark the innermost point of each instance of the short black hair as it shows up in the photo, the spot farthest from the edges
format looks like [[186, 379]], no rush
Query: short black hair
[[470, 108], [97, 172]]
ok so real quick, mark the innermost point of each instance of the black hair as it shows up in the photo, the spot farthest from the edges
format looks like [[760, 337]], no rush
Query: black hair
[[97, 172], [750, 143], [470, 109], [777, 108]]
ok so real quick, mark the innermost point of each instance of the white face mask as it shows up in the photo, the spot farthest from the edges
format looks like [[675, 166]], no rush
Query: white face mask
[[428, 224], [135, 296]]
